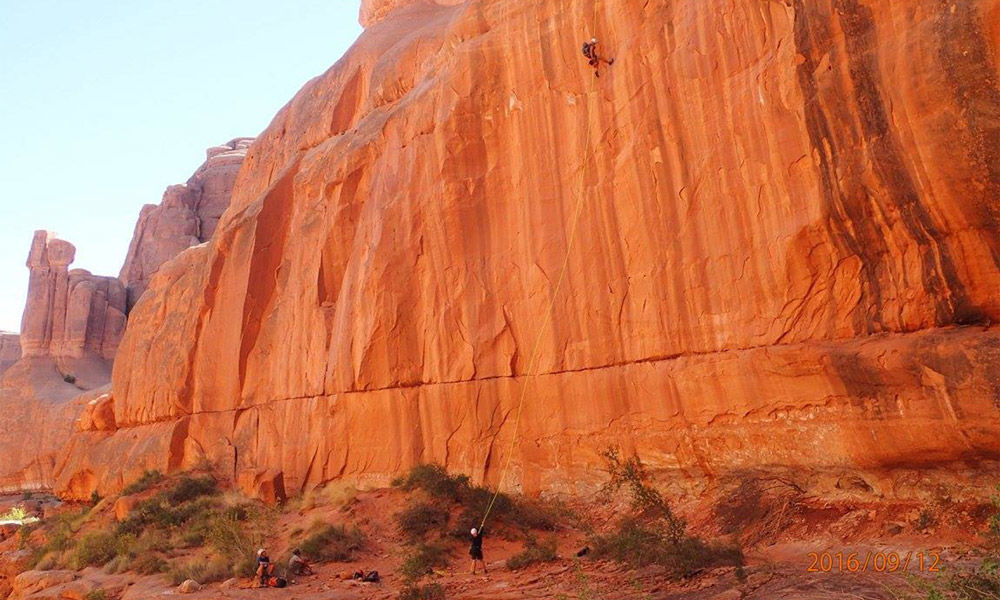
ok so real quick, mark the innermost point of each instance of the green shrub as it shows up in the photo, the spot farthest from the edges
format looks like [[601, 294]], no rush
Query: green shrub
[[533, 553], [420, 518], [993, 524], [925, 520], [98, 594], [434, 480], [236, 533], [431, 591], [422, 560], [653, 534], [146, 481], [17, 513], [95, 550], [192, 488], [202, 571], [332, 543]]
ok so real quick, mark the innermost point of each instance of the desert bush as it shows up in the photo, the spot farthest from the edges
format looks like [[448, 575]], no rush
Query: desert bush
[[95, 549], [637, 545], [993, 525], [430, 591], [46, 561], [146, 481], [533, 553], [422, 560], [192, 488], [237, 532], [332, 543], [202, 571], [434, 480], [653, 534], [925, 520], [438, 484], [16, 513], [758, 509], [420, 518], [96, 594]]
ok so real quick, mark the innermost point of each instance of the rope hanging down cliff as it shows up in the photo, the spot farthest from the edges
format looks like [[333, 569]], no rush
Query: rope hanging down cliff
[[533, 357]]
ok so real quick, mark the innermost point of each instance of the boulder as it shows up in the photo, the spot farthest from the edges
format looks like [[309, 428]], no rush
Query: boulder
[[189, 586]]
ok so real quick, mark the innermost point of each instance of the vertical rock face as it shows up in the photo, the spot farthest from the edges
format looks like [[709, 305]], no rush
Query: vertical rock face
[[187, 216], [10, 350], [765, 239], [69, 312]]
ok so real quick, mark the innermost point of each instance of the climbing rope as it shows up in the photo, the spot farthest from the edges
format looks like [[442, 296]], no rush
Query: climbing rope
[[533, 357]]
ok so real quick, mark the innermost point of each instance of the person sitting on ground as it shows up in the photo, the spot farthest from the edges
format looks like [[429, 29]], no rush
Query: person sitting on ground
[[590, 51], [264, 566], [476, 549], [298, 565]]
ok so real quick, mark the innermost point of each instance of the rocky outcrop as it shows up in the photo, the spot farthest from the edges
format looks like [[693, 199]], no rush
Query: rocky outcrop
[[187, 216], [10, 350], [765, 239], [72, 325], [69, 312]]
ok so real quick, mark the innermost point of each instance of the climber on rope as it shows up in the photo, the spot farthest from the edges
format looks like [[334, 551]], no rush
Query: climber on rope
[[590, 51], [476, 549]]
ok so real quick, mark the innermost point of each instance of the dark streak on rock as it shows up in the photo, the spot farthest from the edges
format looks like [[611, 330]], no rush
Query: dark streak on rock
[[843, 214], [940, 276], [971, 70]]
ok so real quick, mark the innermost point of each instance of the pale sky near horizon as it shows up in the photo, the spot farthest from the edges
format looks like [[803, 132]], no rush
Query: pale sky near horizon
[[104, 104]]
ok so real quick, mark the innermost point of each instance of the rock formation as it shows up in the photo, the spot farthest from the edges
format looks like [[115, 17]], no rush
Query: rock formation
[[73, 322], [186, 217], [69, 313], [10, 350], [777, 220]]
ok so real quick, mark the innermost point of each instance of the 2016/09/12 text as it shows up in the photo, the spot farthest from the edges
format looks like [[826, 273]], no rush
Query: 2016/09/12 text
[[873, 562]]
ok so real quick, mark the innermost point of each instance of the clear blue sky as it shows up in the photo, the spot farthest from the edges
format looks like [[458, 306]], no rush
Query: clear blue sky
[[104, 103]]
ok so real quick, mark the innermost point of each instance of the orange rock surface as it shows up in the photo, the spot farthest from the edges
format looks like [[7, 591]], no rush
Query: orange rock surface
[[187, 216], [778, 221], [10, 350]]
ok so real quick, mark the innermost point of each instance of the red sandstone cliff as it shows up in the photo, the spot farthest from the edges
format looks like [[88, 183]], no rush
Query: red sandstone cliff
[[787, 255], [186, 217], [73, 321], [10, 350], [72, 324]]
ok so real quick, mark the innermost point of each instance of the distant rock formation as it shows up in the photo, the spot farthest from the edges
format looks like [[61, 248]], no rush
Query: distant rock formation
[[186, 217], [73, 322], [69, 312], [10, 350]]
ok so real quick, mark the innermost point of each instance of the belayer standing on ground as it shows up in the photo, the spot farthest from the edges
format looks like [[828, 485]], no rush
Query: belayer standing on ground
[[590, 51], [476, 549]]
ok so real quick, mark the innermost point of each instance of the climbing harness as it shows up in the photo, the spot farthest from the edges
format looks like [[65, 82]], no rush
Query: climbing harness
[[534, 356]]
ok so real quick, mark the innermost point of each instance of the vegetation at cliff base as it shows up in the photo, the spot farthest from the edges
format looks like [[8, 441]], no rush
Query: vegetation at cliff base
[[188, 513], [652, 534]]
